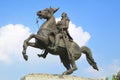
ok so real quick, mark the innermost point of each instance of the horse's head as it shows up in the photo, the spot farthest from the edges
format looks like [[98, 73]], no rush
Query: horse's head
[[46, 13]]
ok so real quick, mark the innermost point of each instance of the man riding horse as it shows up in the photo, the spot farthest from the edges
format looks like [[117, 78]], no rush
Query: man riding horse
[[68, 50], [62, 27], [62, 33]]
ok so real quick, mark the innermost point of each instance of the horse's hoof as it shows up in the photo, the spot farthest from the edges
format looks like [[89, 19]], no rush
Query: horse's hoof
[[67, 72], [25, 57]]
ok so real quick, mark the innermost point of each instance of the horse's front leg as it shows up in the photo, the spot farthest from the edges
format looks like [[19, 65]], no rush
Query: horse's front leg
[[25, 45]]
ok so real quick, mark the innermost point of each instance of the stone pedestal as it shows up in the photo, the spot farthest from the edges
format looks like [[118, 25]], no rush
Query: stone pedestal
[[52, 77]]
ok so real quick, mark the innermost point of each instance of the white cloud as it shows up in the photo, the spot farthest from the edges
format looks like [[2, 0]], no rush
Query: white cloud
[[4, 57], [80, 37], [12, 37], [11, 40]]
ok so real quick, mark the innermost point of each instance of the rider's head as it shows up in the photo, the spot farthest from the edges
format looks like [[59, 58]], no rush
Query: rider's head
[[64, 14]]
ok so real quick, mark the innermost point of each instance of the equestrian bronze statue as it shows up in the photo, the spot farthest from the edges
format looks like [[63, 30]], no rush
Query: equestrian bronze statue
[[55, 39]]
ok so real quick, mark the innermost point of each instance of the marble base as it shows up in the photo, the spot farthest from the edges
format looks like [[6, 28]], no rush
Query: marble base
[[52, 77]]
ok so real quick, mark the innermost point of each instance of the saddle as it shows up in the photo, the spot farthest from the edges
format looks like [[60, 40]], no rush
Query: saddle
[[62, 43]]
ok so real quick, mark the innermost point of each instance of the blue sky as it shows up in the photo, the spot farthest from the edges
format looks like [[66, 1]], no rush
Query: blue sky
[[99, 18]]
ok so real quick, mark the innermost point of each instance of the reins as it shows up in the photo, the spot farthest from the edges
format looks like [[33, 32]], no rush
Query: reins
[[37, 22]]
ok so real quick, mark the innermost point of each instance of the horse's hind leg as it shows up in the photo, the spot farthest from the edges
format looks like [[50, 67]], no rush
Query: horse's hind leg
[[69, 64], [74, 67], [68, 67]]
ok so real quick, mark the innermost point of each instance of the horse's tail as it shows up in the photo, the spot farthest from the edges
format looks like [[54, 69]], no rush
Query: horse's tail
[[89, 57]]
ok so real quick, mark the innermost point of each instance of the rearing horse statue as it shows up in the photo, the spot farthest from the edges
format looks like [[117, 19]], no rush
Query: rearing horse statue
[[46, 34]]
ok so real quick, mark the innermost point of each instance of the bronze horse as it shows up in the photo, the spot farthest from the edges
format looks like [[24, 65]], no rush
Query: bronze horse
[[46, 34]]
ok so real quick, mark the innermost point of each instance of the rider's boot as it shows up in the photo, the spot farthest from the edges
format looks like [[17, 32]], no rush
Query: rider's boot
[[44, 54], [55, 46]]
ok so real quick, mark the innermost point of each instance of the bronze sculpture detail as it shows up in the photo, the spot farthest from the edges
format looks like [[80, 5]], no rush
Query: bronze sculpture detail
[[63, 45]]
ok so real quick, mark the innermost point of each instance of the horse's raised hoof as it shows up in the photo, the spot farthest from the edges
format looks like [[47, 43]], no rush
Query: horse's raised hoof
[[25, 57]]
